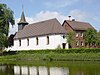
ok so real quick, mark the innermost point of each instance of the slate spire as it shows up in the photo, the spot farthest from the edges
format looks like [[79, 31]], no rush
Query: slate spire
[[22, 22]]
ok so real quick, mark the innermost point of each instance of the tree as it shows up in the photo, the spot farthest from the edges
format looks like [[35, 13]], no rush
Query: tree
[[6, 17], [98, 39], [70, 38], [90, 37]]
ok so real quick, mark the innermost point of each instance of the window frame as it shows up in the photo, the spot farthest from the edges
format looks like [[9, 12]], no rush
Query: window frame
[[77, 43], [48, 40], [27, 41], [82, 34], [76, 34], [19, 42], [37, 41], [82, 43]]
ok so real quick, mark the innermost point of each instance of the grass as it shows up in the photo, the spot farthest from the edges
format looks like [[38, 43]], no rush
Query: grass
[[53, 55]]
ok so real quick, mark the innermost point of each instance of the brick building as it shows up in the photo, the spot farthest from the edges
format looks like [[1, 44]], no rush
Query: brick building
[[78, 28]]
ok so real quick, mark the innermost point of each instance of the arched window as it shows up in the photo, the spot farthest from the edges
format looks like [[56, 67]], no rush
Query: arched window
[[47, 40], [37, 41], [27, 41], [20, 42]]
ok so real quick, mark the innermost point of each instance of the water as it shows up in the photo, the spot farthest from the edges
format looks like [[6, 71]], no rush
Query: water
[[51, 68]]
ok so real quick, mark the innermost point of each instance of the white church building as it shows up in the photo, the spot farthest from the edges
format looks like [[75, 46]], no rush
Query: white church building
[[48, 34]]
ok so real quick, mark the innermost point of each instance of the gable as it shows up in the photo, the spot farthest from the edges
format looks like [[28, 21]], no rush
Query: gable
[[67, 27]]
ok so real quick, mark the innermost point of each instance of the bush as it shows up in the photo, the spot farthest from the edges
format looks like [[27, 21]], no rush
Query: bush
[[82, 50]]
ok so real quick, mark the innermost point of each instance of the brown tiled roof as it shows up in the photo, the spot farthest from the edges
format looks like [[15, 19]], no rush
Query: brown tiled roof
[[79, 25], [47, 27]]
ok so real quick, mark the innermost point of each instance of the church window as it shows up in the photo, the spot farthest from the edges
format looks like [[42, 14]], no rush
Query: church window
[[20, 42], [27, 41], [47, 40], [37, 41]]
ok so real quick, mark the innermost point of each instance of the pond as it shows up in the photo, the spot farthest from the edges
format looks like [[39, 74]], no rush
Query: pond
[[51, 68]]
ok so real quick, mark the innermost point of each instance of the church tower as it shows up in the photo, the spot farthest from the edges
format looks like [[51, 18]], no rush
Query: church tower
[[22, 22]]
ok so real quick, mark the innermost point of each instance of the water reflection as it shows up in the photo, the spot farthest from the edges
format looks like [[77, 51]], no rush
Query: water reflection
[[50, 70], [24, 70]]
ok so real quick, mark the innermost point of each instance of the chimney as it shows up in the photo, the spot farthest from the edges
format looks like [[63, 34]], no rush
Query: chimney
[[69, 17], [73, 19]]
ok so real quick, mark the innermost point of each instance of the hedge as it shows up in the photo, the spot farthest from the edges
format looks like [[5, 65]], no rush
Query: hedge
[[61, 51]]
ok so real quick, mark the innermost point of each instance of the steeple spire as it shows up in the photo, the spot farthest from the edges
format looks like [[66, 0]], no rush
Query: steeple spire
[[22, 21]]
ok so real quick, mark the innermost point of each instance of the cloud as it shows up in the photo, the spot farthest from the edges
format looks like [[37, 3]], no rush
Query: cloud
[[14, 29], [79, 15], [44, 15], [60, 3]]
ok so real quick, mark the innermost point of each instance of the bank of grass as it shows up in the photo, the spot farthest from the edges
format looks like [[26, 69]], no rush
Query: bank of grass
[[52, 55]]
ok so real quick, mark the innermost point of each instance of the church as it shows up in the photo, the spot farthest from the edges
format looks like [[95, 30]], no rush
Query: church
[[48, 34]]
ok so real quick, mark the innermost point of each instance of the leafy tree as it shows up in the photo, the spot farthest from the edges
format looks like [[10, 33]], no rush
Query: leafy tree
[[98, 38], [6, 17], [3, 41], [70, 39], [90, 37]]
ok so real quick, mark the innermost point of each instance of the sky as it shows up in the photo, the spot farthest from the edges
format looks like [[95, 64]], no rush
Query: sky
[[39, 10]]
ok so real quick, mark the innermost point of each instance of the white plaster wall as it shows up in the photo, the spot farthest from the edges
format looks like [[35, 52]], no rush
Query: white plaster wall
[[54, 42]]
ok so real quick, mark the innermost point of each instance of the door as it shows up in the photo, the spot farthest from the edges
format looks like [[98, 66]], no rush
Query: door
[[64, 45]]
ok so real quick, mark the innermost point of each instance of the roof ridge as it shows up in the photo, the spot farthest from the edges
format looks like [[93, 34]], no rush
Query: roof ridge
[[77, 21], [42, 21]]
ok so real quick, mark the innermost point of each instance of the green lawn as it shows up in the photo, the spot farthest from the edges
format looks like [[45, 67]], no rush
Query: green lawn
[[53, 55]]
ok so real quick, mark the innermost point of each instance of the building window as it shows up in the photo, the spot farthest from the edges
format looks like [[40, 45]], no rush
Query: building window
[[27, 41], [77, 43], [19, 42], [81, 34], [47, 40], [76, 34], [37, 41], [63, 36], [82, 44]]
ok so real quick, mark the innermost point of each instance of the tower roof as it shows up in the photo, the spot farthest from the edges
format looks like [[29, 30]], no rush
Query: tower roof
[[22, 20]]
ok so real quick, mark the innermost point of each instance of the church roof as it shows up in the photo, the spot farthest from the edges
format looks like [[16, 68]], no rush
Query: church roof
[[22, 20], [78, 25], [47, 27]]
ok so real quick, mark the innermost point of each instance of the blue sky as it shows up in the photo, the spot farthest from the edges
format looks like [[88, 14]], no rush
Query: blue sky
[[38, 10]]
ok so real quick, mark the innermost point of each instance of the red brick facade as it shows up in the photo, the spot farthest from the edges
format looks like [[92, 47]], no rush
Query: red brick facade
[[78, 32]]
